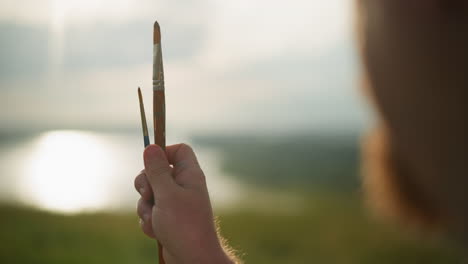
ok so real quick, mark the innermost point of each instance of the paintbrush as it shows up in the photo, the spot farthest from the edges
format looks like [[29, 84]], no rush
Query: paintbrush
[[159, 106], [143, 119], [159, 102]]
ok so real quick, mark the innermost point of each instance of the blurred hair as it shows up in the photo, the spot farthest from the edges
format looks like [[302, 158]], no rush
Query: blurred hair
[[416, 73]]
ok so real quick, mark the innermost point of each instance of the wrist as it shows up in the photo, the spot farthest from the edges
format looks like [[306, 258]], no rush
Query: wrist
[[225, 253], [220, 258], [216, 255], [212, 253]]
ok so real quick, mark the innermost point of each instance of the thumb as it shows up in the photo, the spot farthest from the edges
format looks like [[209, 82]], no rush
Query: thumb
[[157, 169]]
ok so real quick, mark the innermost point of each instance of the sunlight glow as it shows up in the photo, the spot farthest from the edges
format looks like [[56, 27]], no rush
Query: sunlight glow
[[90, 11], [68, 171], [62, 9]]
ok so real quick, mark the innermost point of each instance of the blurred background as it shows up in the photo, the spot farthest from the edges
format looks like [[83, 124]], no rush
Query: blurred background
[[266, 91]]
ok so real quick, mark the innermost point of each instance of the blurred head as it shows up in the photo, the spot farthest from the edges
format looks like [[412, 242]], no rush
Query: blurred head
[[416, 72]]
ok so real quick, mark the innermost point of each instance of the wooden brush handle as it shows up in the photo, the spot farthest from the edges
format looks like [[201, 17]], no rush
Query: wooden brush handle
[[160, 254], [159, 119]]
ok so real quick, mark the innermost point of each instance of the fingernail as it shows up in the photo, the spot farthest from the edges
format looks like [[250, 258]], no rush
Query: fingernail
[[141, 222], [142, 191]]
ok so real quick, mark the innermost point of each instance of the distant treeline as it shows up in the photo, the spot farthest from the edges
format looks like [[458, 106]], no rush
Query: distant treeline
[[322, 162]]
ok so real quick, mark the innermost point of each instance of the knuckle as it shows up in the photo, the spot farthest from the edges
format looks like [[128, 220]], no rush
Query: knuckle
[[158, 170], [186, 148], [188, 151], [138, 182], [143, 193], [141, 208]]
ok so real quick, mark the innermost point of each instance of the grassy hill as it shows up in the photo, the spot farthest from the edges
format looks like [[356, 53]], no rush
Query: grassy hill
[[311, 213], [329, 229]]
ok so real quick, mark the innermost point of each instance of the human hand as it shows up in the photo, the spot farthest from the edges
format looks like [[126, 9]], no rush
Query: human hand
[[175, 206]]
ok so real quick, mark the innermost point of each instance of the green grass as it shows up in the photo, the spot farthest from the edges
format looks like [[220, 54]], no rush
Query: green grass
[[328, 229], [29, 236]]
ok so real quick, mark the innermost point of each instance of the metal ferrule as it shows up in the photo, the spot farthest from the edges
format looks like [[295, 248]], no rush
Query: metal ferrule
[[158, 71]]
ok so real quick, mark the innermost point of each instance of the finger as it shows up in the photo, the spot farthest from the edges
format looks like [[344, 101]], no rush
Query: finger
[[147, 228], [143, 186], [144, 209], [186, 170], [181, 153], [157, 170]]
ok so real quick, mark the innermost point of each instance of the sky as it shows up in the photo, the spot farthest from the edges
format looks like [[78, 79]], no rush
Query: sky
[[230, 66]]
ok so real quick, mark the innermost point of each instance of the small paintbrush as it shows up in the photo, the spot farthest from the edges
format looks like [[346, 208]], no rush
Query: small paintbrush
[[144, 125], [146, 141]]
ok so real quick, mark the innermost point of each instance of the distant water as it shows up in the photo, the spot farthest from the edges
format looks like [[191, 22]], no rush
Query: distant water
[[71, 171]]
